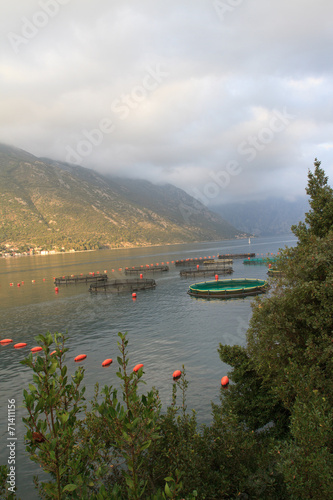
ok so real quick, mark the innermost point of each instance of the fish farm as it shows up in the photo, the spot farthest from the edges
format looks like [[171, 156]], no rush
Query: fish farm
[[260, 261], [123, 285], [230, 288], [206, 272], [87, 278], [138, 270], [274, 272], [236, 255]]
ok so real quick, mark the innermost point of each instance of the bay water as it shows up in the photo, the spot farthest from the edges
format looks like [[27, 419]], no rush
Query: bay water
[[166, 327]]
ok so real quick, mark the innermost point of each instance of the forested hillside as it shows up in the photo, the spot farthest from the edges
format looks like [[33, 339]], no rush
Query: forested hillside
[[53, 205]]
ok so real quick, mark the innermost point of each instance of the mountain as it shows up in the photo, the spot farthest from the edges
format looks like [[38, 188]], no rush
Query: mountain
[[265, 218], [53, 205]]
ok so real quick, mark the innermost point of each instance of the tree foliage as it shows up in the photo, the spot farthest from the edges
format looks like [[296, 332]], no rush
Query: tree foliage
[[288, 359]]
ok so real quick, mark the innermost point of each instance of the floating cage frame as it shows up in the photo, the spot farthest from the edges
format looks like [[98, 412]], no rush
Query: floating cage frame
[[236, 255], [260, 261], [229, 288], [206, 272], [141, 270], [123, 285], [274, 272], [86, 278]]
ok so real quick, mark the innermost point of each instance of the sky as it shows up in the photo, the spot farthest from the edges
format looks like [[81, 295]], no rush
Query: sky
[[230, 100]]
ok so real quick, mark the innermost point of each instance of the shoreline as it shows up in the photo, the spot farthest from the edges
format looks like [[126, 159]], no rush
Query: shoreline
[[46, 253]]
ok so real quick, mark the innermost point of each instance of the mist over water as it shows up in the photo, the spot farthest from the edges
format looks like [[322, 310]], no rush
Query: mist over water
[[166, 327]]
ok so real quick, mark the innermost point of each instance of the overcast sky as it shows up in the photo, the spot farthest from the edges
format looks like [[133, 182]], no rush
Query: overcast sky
[[228, 99]]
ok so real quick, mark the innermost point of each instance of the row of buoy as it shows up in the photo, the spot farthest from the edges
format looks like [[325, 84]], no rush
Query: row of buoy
[[22, 282], [107, 362], [142, 265]]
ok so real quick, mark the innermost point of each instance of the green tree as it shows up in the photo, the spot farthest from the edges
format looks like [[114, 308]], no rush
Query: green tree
[[290, 350]]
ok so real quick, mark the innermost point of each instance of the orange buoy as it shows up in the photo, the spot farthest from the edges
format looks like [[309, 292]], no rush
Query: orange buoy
[[53, 352], [133, 295], [216, 277], [107, 362], [198, 266], [137, 367], [19, 345], [224, 381], [11, 284], [36, 349], [80, 357], [6, 341], [176, 374]]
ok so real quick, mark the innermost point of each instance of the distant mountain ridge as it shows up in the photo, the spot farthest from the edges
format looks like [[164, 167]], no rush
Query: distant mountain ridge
[[53, 205], [270, 217]]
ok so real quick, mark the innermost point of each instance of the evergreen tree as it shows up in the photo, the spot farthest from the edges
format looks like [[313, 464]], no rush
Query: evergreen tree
[[289, 354]]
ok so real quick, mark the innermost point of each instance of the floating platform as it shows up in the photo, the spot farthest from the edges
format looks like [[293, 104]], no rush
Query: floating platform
[[260, 261], [210, 271], [216, 263], [87, 278], [274, 272], [139, 270], [227, 289], [123, 285], [236, 255], [198, 260]]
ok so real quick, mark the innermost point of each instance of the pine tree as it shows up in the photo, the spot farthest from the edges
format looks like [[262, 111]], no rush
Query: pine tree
[[290, 353]]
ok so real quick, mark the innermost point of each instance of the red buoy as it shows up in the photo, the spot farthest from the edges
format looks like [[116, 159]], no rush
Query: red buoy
[[141, 276], [36, 349], [176, 374], [198, 266], [224, 381], [19, 345], [80, 357], [216, 277], [137, 367], [133, 295], [107, 362], [6, 341]]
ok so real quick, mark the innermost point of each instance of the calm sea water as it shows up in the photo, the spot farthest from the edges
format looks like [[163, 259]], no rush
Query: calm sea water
[[166, 327]]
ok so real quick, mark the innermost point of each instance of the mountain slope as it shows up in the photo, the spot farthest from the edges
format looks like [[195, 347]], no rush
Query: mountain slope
[[49, 204], [265, 218]]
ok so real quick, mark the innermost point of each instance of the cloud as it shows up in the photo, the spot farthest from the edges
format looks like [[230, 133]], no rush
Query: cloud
[[173, 92]]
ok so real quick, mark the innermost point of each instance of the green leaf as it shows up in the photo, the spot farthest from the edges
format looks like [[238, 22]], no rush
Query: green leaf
[[167, 491], [70, 487]]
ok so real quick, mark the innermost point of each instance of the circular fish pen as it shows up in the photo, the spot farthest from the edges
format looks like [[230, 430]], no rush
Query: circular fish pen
[[227, 289], [123, 285]]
